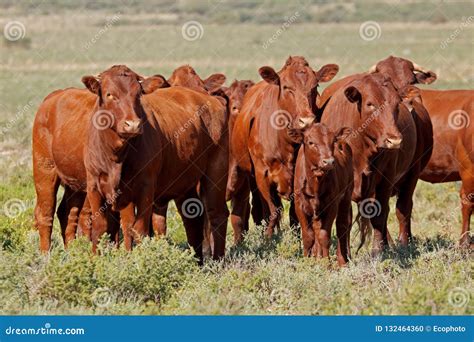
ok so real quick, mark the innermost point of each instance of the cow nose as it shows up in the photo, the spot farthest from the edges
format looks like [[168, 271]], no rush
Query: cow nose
[[132, 126], [327, 162], [305, 122], [393, 143]]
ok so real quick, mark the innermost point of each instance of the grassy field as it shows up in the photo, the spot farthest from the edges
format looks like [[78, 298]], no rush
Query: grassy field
[[432, 276]]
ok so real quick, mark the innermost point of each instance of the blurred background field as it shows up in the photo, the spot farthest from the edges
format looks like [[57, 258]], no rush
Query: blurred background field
[[61, 41]]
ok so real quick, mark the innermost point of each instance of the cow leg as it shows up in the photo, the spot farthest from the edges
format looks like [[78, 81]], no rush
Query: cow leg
[[46, 186], [74, 201], [316, 226], [324, 236], [240, 211], [232, 179], [405, 207], [213, 194], [113, 226], [379, 222], [62, 213], [159, 219], [144, 210], [343, 231], [208, 242], [258, 206], [85, 220], [192, 214], [467, 203], [99, 217], [127, 219], [272, 200], [307, 232]]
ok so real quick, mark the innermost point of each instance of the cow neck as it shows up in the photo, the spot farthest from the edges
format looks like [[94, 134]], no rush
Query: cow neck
[[106, 154], [312, 181]]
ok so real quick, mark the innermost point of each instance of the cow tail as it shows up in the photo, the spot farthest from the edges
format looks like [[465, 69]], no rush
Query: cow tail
[[365, 229]]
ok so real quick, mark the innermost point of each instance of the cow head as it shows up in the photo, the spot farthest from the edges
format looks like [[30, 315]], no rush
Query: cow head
[[297, 83], [119, 90], [377, 103], [235, 94], [186, 76], [319, 144], [403, 72]]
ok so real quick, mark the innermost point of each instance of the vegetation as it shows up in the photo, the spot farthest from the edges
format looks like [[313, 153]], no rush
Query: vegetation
[[69, 39]]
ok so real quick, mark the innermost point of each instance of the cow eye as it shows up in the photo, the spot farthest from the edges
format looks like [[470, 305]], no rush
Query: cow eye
[[311, 143], [370, 105], [110, 96]]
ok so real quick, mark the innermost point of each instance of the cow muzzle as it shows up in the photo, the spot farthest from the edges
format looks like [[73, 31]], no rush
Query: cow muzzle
[[392, 143], [327, 164], [130, 128], [305, 122]]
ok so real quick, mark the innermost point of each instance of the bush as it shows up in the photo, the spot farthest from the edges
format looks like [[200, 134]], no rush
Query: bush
[[150, 274]]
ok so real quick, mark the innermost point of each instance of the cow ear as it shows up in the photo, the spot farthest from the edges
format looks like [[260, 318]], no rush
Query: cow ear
[[296, 135], [214, 82], [343, 133], [269, 75], [150, 84], [409, 92], [225, 90], [327, 72], [248, 84], [353, 95], [92, 83], [426, 77], [220, 95], [341, 136]]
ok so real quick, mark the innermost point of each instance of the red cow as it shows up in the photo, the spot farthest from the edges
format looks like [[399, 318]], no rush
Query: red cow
[[402, 72], [383, 143], [185, 76], [324, 180], [235, 95], [60, 130], [179, 141], [451, 112], [260, 145]]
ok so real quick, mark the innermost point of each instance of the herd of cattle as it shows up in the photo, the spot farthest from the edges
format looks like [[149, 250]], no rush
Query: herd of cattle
[[126, 145]]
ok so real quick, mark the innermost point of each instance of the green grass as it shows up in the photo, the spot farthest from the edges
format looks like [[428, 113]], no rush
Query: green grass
[[431, 276]]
